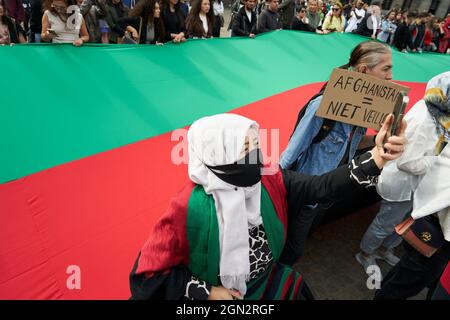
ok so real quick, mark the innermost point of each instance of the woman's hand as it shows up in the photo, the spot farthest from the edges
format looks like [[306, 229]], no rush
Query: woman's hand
[[179, 38], [222, 293], [78, 43], [48, 36], [133, 32], [389, 147]]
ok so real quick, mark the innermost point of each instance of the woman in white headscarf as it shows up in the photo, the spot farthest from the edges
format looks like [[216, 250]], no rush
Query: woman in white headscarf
[[399, 179], [223, 234], [430, 123]]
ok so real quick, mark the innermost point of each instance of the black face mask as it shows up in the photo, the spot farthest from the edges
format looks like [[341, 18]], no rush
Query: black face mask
[[244, 172]]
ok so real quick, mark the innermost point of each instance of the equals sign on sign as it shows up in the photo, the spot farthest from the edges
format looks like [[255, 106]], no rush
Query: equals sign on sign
[[367, 101]]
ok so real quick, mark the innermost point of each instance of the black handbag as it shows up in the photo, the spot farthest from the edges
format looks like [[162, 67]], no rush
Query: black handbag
[[424, 234]]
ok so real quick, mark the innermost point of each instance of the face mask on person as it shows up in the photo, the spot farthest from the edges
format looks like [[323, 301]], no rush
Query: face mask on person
[[244, 172]]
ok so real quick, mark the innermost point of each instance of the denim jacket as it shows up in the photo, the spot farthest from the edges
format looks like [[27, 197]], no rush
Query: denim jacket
[[387, 28], [319, 158]]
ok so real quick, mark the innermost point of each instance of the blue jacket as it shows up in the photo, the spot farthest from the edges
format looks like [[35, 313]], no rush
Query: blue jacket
[[387, 28], [319, 158]]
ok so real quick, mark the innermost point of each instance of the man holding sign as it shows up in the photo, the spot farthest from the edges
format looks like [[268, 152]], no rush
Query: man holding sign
[[359, 99], [319, 145]]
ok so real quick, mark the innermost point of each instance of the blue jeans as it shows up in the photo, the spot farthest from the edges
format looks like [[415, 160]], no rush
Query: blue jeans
[[381, 231], [34, 38]]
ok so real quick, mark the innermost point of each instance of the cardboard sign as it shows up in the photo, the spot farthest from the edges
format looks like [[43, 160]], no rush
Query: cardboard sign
[[359, 99]]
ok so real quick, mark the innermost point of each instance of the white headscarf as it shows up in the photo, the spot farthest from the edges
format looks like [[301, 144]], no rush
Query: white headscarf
[[219, 140], [433, 193]]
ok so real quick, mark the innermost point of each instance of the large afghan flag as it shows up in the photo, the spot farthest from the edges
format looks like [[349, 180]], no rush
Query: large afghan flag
[[85, 163]]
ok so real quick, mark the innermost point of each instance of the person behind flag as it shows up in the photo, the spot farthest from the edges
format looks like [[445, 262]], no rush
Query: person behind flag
[[35, 21], [114, 10], [388, 27], [269, 19], [418, 30], [313, 14], [356, 15], [402, 37], [56, 26], [318, 146], [369, 25], [301, 23], [144, 25], [200, 21], [243, 23], [444, 40], [287, 13], [10, 30], [174, 20], [218, 10], [222, 235], [335, 21]]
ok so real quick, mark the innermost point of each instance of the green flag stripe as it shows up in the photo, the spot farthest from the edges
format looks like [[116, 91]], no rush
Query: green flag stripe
[[61, 103]]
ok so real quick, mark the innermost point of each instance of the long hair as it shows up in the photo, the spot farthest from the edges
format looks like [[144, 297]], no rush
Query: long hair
[[368, 53], [390, 11], [194, 17], [341, 7], [145, 9], [197, 7]]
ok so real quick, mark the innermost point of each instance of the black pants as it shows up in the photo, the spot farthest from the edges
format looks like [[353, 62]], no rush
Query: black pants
[[298, 231], [309, 219], [413, 273], [217, 26]]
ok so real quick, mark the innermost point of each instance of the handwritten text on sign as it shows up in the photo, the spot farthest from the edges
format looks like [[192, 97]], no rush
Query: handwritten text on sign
[[359, 99]]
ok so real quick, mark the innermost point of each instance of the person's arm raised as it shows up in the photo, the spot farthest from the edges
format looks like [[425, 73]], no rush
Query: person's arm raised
[[387, 147], [342, 182]]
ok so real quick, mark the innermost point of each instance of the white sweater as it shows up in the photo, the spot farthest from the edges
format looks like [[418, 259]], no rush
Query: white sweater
[[400, 178]]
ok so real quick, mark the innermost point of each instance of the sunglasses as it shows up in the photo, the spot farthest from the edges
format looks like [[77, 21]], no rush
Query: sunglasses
[[302, 11], [336, 9]]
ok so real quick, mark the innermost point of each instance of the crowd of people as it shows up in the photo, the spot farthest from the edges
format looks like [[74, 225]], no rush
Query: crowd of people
[[161, 21]]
